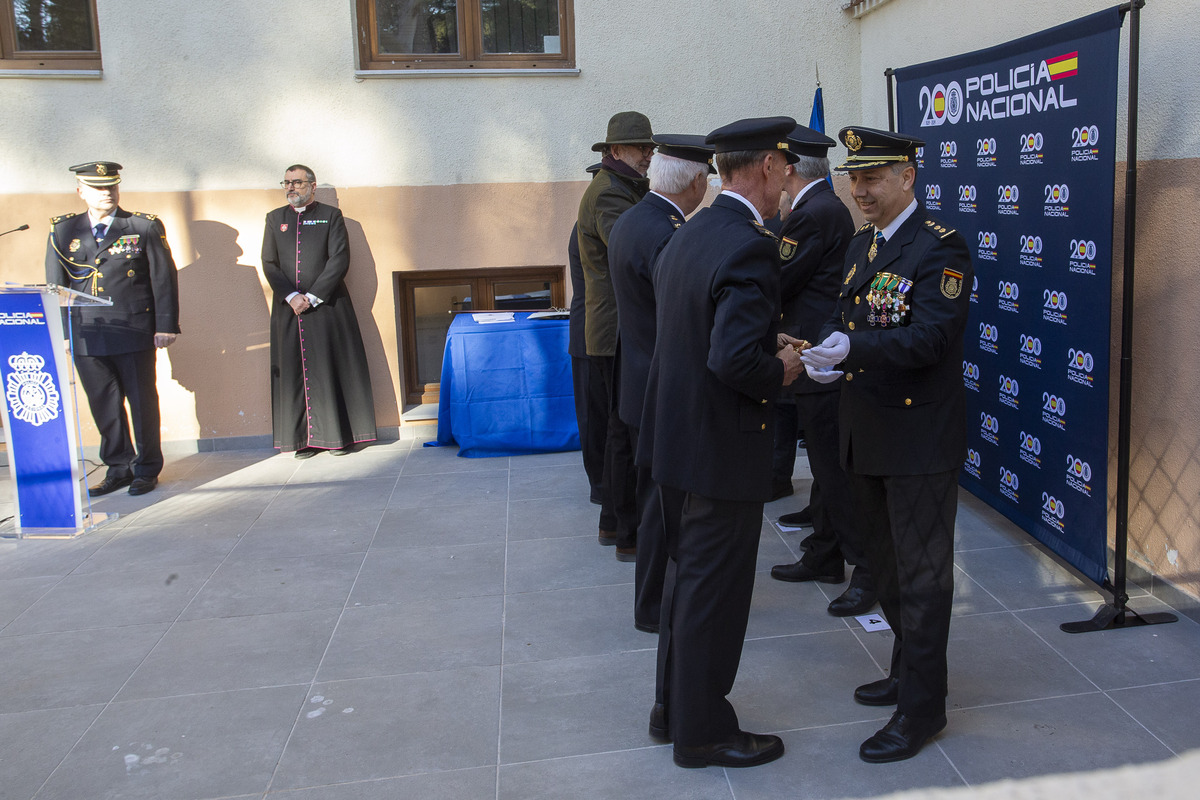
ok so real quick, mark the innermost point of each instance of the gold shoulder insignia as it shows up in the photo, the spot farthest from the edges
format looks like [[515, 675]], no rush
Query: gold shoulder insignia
[[61, 217], [150, 217], [762, 229], [930, 222], [866, 227], [935, 228]]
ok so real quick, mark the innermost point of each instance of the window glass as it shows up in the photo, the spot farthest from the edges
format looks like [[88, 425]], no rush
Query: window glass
[[520, 26], [53, 25], [417, 26]]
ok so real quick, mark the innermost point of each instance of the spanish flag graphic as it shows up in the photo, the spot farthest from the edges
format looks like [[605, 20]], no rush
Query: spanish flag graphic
[[1063, 66]]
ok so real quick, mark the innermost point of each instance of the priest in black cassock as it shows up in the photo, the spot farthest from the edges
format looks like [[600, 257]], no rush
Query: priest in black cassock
[[320, 385]]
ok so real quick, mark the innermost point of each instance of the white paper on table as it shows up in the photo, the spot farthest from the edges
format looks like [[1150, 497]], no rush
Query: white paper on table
[[484, 318]]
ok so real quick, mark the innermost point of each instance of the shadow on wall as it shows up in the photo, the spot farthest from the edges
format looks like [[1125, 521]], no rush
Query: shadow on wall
[[362, 282], [223, 353]]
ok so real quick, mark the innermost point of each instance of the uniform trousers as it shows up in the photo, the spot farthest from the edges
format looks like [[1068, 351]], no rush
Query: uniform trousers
[[909, 521], [835, 538], [620, 480], [651, 567], [108, 381], [712, 547], [591, 415]]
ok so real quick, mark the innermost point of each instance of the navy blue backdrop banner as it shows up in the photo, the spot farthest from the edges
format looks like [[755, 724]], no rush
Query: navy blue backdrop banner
[[1019, 156]]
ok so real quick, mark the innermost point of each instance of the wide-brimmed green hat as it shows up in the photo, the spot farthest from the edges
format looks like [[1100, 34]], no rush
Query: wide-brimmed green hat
[[627, 127]]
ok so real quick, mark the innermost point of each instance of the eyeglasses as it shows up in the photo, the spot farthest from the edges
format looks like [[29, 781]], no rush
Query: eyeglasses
[[290, 184]]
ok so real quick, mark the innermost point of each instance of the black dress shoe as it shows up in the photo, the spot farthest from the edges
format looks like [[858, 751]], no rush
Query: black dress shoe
[[627, 554], [660, 731], [782, 489], [852, 602], [883, 692], [797, 519], [903, 737], [344, 451], [608, 538], [799, 572], [108, 485], [305, 452], [142, 486], [743, 750]]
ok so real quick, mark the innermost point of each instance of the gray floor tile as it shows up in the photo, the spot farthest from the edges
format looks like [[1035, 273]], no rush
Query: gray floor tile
[[1022, 577], [365, 465], [442, 460], [165, 547], [33, 558], [567, 623], [1159, 707], [206, 504], [450, 489], [1045, 737], [475, 523], [802, 682], [539, 565], [541, 483], [216, 655], [821, 763], [105, 599], [60, 670], [392, 726], [993, 658], [419, 636], [972, 598], [573, 706], [568, 460], [287, 534], [774, 549], [779, 608], [462, 784], [405, 575], [18, 594], [34, 742], [978, 526], [183, 748], [274, 584], [1118, 659], [534, 519], [638, 773], [330, 498]]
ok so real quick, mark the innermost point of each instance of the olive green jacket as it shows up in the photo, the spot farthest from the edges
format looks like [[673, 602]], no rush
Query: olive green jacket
[[609, 195]]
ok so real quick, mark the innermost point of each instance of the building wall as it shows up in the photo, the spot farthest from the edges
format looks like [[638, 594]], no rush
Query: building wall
[[1164, 503]]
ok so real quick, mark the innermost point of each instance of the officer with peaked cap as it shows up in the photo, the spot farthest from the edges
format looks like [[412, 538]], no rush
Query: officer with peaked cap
[[615, 188], [678, 182], [812, 244], [897, 337], [123, 256], [707, 427]]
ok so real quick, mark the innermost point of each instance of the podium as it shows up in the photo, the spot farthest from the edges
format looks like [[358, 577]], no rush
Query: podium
[[37, 376]]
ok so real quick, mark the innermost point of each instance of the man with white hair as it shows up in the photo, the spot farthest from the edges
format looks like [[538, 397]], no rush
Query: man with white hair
[[678, 181]]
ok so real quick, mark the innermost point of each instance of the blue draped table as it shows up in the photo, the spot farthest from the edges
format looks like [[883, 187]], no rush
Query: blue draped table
[[506, 388]]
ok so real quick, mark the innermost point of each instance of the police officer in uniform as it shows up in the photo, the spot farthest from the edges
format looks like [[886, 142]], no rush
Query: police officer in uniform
[[898, 340], [707, 431], [123, 256], [678, 182]]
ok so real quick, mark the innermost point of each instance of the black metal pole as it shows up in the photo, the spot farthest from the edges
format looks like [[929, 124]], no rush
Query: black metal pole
[[891, 101]]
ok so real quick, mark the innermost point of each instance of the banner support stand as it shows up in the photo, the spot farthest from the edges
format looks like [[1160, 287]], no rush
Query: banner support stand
[[1115, 614], [888, 73]]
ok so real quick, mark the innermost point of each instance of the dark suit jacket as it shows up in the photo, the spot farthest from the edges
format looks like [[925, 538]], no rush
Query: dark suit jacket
[[633, 246], [903, 404], [812, 245], [132, 266], [708, 419]]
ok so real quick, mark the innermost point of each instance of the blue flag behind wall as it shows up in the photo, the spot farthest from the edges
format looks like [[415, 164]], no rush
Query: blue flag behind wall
[[1019, 156], [816, 120]]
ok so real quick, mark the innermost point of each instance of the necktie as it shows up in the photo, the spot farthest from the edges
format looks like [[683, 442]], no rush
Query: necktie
[[99, 230], [875, 245]]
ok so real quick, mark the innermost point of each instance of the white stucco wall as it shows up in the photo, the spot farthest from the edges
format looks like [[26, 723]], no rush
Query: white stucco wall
[[906, 32], [223, 94]]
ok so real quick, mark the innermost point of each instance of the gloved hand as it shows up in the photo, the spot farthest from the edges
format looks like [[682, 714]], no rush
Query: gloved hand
[[828, 353], [822, 374]]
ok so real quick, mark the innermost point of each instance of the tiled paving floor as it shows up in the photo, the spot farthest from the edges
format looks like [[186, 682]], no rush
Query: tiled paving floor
[[402, 623]]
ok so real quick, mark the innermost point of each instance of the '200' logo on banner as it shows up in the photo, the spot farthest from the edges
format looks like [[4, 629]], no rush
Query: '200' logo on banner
[[1057, 193], [1053, 506], [1031, 245], [933, 192], [1055, 300], [941, 104], [1083, 249], [1032, 142], [1085, 136]]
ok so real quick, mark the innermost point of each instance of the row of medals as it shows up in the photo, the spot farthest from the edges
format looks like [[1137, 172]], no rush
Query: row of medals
[[888, 299]]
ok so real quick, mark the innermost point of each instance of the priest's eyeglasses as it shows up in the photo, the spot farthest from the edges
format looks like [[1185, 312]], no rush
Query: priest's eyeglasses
[[291, 184]]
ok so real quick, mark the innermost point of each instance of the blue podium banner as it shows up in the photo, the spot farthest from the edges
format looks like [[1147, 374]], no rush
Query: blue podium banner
[[1019, 156], [41, 440]]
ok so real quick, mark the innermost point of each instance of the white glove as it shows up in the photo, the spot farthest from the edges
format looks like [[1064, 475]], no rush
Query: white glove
[[828, 353], [822, 374]]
